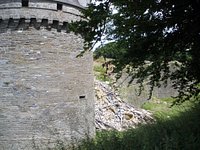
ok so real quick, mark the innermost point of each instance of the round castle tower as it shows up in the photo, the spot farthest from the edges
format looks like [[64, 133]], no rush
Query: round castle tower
[[46, 91]]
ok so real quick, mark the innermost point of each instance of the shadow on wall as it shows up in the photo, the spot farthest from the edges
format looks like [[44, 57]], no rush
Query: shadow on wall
[[131, 92]]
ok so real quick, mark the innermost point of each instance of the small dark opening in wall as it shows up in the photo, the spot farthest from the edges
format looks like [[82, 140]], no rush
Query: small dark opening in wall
[[55, 24], [59, 6], [33, 22], [65, 27], [25, 3], [82, 97], [44, 22]]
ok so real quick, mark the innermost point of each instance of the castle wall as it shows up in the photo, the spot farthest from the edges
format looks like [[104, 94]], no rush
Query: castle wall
[[39, 10], [46, 92]]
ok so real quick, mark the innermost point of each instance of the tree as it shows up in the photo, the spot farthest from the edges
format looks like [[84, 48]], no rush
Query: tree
[[110, 50], [149, 34]]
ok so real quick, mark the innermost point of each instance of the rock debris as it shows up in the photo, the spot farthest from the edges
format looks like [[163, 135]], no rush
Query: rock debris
[[113, 113]]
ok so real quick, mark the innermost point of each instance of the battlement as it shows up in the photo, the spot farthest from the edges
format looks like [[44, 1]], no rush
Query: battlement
[[39, 10], [50, 15], [22, 24]]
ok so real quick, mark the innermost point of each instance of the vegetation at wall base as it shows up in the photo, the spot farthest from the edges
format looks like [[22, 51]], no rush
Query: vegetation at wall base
[[180, 131]]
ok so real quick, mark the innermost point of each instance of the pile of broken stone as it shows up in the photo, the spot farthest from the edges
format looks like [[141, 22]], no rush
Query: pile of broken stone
[[113, 113]]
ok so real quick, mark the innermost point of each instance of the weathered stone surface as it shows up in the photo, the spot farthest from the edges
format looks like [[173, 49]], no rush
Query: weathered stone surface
[[132, 94], [113, 113], [46, 92]]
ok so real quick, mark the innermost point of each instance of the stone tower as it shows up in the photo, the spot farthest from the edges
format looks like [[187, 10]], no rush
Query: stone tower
[[46, 92]]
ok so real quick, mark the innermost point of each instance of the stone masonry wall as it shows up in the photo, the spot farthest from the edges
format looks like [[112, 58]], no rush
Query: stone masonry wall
[[46, 92]]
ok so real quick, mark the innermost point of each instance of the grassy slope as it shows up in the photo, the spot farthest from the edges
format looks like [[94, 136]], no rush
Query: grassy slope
[[176, 128], [163, 109]]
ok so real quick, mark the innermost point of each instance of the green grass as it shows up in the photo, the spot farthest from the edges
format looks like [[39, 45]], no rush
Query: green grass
[[180, 131], [163, 109], [100, 71], [100, 60]]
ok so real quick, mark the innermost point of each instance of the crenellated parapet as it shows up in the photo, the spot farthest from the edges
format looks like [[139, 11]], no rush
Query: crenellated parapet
[[22, 24], [37, 14]]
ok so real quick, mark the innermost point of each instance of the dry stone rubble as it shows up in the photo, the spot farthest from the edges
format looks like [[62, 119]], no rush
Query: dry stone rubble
[[113, 113]]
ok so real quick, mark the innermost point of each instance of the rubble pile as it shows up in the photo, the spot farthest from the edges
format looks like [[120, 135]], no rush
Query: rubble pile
[[113, 113]]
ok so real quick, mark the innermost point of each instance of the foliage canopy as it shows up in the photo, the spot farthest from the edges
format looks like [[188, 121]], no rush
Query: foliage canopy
[[148, 35]]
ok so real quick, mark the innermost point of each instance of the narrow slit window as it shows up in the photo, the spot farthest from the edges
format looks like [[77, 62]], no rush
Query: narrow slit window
[[82, 97], [59, 6], [25, 3]]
